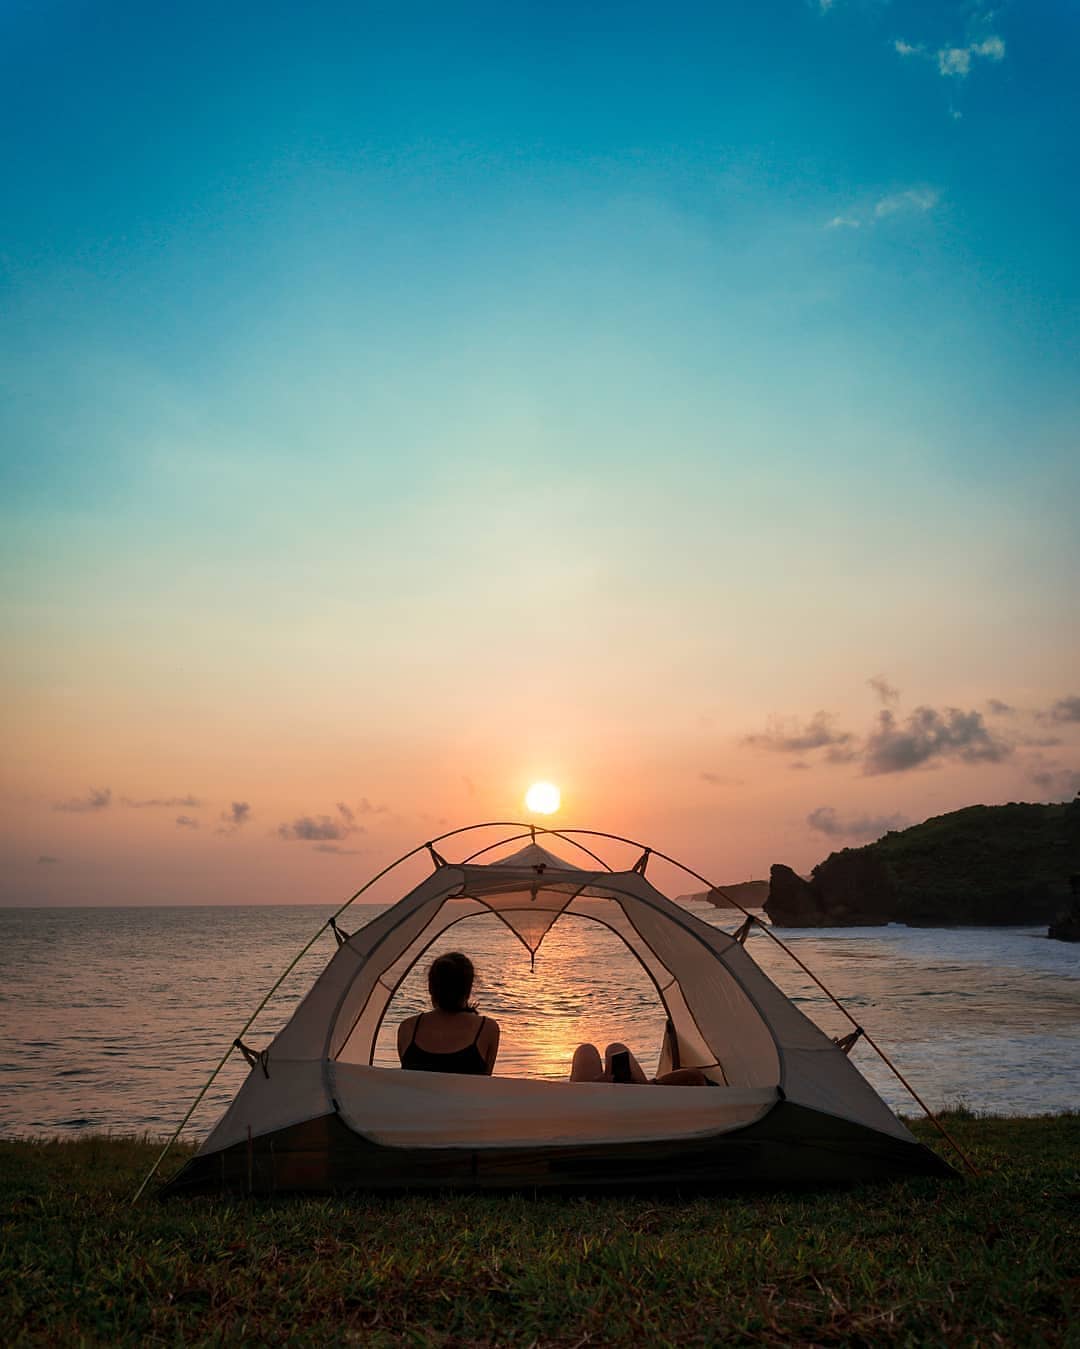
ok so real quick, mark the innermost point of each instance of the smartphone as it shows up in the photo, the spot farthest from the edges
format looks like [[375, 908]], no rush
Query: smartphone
[[620, 1066]]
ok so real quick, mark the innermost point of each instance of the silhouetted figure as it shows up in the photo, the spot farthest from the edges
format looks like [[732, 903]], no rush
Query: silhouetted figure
[[453, 1037]]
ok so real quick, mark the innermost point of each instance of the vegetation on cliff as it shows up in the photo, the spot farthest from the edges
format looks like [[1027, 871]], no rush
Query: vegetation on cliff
[[981, 865]]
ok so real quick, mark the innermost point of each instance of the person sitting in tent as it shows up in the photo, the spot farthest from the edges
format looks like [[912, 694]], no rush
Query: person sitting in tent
[[455, 1037], [620, 1065]]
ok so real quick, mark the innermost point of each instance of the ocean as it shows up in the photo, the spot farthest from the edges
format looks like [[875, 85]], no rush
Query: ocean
[[111, 1019]]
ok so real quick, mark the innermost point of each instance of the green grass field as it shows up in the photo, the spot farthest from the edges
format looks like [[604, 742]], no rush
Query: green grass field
[[991, 1261]]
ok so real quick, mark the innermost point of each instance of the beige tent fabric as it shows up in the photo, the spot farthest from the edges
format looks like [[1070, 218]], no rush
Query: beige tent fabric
[[728, 1018], [294, 1093], [439, 1110]]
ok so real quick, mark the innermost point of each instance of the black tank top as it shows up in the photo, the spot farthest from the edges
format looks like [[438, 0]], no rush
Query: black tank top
[[467, 1060]]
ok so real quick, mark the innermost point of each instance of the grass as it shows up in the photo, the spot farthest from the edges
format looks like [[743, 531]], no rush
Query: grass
[[992, 1261]]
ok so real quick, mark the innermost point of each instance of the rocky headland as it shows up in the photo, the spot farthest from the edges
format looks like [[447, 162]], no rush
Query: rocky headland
[[748, 894], [981, 866]]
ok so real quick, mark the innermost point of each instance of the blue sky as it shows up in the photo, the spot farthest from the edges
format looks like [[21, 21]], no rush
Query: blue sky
[[338, 338]]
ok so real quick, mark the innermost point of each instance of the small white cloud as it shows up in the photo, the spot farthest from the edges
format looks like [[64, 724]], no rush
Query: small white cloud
[[914, 199], [843, 222], [907, 48], [993, 48], [825, 5], [954, 60], [957, 60]]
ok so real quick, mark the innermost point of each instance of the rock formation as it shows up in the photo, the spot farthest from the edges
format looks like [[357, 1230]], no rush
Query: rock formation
[[747, 894], [848, 889]]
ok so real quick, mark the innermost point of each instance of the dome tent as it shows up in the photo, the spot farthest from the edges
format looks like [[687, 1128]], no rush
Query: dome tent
[[786, 1105]]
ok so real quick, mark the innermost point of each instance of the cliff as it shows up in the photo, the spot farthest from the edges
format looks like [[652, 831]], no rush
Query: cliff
[[985, 865], [750, 894]]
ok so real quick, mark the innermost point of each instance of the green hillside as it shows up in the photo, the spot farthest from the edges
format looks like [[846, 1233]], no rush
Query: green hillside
[[980, 865], [986, 863]]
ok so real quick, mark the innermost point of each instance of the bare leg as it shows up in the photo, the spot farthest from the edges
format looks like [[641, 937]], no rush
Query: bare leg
[[683, 1077], [637, 1073], [586, 1066]]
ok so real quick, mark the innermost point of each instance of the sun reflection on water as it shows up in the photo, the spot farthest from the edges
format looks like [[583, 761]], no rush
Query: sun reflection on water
[[583, 987]]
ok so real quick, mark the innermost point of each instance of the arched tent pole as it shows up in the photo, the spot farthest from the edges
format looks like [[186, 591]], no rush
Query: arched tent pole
[[515, 838], [565, 834]]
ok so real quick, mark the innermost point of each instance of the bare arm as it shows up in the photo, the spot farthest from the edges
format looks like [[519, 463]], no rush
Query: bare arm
[[405, 1035], [489, 1044]]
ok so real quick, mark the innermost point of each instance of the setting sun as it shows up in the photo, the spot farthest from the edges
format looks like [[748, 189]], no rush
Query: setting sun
[[543, 798]]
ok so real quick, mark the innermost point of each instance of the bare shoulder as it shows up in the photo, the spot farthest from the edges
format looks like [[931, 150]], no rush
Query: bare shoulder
[[405, 1030]]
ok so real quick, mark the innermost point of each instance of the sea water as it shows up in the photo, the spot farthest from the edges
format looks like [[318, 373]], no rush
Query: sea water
[[113, 1018]]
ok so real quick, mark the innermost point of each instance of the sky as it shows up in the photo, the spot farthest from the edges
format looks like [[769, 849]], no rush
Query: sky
[[403, 402]]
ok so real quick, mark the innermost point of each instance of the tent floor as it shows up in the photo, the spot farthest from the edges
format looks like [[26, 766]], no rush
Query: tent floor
[[790, 1146]]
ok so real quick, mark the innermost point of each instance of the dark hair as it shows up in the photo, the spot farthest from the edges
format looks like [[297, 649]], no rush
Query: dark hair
[[450, 982]]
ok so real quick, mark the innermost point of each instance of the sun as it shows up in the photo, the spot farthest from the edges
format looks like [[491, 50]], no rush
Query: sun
[[543, 798]]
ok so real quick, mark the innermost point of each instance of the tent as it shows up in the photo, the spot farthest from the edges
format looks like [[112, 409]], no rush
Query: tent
[[785, 1103]]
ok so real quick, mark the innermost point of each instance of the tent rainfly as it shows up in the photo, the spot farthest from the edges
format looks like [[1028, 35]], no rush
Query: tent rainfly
[[786, 1104]]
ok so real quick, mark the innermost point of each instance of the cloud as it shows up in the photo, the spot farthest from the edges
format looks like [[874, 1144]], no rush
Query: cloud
[[98, 798], [1060, 783], [998, 708], [928, 735], [912, 200], [333, 848], [321, 828], [1066, 709], [720, 780], [956, 61], [893, 744], [171, 802], [186, 822], [788, 737], [799, 766], [918, 199], [884, 690], [366, 808], [826, 821], [238, 814], [45, 860]]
